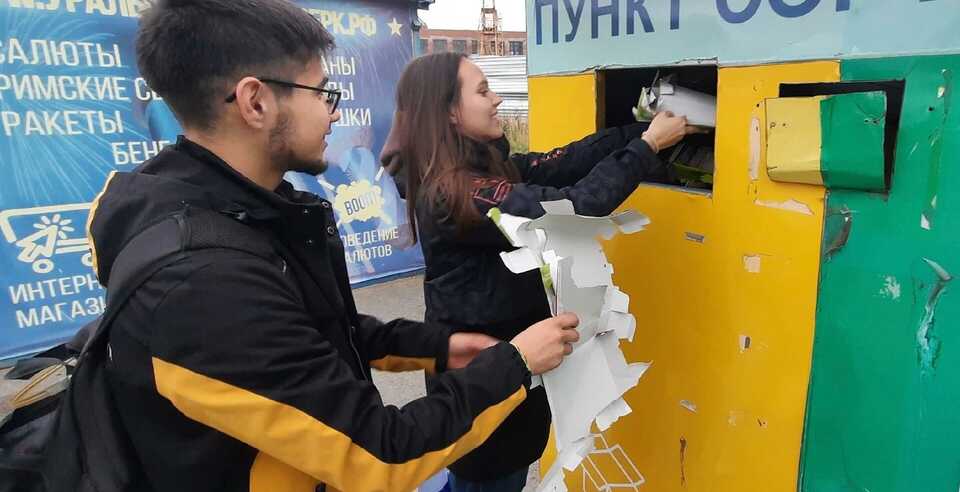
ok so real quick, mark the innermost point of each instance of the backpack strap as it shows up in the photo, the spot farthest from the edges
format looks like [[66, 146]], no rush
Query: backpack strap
[[167, 242], [147, 253], [90, 450]]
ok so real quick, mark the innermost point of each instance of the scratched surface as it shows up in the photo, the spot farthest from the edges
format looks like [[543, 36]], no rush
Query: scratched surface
[[718, 413], [882, 409]]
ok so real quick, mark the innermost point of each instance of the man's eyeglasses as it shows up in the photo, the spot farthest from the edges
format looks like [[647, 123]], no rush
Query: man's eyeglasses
[[333, 95]]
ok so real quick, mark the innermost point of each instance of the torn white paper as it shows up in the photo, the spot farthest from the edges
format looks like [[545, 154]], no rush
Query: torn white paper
[[699, 108], [612, 413], [535, 381], [624, 325], [558, 207], [589, 386], [521, 260], [575, 453], [589, 379], [615, 315], [586, 302]]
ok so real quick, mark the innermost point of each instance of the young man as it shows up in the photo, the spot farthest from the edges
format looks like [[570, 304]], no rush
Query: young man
[[240, 371]]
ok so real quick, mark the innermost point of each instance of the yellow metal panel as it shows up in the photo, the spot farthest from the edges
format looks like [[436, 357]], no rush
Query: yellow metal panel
[[794, 139], [562, 110], [709, 272]]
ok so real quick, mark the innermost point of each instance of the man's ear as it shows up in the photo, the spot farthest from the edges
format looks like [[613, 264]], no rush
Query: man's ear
[[254, 102]]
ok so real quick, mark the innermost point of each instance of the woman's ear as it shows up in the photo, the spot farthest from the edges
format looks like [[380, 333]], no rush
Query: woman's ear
[[454, 116]]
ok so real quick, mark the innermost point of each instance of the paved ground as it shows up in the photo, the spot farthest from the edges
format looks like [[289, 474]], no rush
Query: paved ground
[[395, 299], [401, 298]]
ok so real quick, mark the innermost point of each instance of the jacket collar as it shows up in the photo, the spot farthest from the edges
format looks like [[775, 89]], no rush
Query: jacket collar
[[236, 194]]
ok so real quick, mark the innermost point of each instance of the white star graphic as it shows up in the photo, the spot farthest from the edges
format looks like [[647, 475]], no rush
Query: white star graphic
[[395, 27]]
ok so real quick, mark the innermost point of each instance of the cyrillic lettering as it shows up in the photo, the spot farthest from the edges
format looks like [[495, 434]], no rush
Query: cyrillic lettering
[[574, 17], [723, 8], [538, 6], [102, 7], [785, 10], [111, 126], [109, 58], [16, 52], [11, 120], [36, 45], [635, 8], [613, 10]]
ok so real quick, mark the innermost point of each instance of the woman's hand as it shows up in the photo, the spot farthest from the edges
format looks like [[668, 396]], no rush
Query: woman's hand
[[666, 130]]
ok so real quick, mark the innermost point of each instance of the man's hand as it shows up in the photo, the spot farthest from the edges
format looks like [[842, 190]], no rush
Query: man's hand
[[545, 344], [465, 346]]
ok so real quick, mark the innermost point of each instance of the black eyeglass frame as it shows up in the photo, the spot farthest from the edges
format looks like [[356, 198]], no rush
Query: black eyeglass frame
[[333, 95]]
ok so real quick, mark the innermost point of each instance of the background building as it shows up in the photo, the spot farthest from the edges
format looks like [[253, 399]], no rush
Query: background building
[[472, 42], [488, 39]]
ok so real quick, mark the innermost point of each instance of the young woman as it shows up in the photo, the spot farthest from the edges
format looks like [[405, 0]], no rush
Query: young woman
[[449, 155]]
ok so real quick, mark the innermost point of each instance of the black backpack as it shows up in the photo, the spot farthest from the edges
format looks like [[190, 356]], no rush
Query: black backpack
[[75, 442], [24, 436]]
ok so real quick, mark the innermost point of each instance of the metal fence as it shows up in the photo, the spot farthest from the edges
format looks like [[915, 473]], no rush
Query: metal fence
[[508, 78]]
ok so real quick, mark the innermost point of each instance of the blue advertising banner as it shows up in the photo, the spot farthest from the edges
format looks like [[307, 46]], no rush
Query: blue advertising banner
[[577, 35], [366, 67], [73, 108]]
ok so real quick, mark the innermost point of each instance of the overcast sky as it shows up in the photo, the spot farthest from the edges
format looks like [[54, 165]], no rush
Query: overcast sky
[[465, 14]]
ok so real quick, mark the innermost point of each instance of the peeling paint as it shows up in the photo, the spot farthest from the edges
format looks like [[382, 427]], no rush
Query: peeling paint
[[790, 205], [928, 345], [697, 238], [755, 149], [868, 360], [924, 222], [947, 87], [751, 263], [689, 405], [937, 140], [683, 459], [913, 150], [837, 232], [891, 287], [744, 343]]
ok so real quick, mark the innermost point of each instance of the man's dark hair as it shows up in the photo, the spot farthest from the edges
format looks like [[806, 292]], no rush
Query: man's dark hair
[[189, 51]]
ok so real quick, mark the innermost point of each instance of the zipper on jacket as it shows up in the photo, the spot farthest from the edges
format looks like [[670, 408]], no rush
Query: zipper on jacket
[[356, 352]]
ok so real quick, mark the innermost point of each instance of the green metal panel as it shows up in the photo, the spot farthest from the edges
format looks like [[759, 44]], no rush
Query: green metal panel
[[884, 404], [852, 127]]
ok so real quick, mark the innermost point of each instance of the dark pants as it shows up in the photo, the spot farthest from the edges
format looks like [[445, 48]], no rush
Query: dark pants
[[513, 482]]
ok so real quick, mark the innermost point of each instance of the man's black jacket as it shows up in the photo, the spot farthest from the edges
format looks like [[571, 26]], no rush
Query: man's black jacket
[[234, 371]]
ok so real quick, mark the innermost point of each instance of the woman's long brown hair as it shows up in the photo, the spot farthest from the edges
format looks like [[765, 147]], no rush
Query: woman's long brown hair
[[439, 162]]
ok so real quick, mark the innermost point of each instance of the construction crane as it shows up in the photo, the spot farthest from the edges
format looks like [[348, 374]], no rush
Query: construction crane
[[491, 37]]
